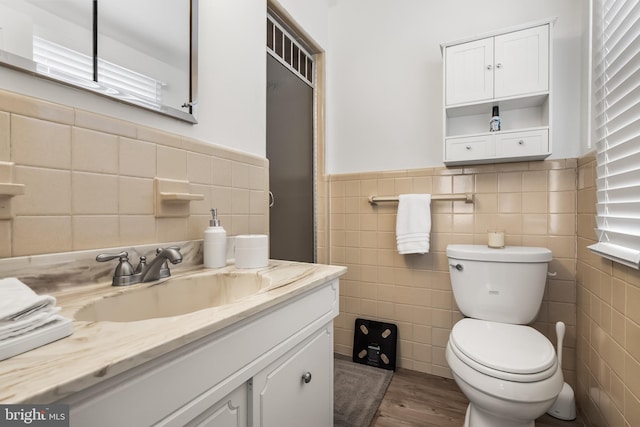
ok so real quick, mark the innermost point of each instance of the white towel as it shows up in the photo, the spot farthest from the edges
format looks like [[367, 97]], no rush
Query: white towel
[[17, 300], [22, 310], [12, 328], [413, 224]]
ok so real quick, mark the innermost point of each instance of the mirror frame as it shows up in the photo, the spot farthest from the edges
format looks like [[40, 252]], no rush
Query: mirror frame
[[28, 66]]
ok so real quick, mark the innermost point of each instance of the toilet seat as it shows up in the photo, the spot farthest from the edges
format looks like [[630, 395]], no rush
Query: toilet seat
[[511, 352]]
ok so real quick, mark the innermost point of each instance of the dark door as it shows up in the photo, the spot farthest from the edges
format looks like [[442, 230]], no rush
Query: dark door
[[290, 154]]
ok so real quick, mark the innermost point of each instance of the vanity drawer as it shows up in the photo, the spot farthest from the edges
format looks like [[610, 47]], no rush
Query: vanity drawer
[[522, 144], [469, 148]]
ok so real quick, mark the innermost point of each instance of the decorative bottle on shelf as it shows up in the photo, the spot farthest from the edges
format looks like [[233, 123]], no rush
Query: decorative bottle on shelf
[[215, 243], [495, 124]]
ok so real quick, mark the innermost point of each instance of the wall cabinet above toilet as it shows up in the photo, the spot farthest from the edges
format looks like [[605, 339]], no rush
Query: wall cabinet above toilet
[[509, 69], [511, 64]]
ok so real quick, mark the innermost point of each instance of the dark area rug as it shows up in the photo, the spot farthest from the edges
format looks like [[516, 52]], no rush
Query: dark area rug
[[358, 390]]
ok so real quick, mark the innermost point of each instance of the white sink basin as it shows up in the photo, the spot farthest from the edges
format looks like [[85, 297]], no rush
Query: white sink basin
[[174, 297]]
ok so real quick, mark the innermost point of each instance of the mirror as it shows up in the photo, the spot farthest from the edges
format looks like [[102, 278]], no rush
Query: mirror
[[132, 50]]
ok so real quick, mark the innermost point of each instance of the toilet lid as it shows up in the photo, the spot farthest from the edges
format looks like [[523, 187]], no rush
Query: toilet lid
[[516, 349]]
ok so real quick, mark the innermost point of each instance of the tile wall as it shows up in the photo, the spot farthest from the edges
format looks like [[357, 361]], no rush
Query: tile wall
[[89, 184], [89, 181], [534, 202], [608, 338]]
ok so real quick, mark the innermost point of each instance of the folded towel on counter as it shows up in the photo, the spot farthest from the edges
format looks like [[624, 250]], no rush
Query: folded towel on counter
[[25, 315], [413, 223], [12, 328], [17, 300]]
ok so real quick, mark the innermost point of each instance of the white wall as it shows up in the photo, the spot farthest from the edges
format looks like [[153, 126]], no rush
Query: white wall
[[232, 75], [384, 75], [311, 16]]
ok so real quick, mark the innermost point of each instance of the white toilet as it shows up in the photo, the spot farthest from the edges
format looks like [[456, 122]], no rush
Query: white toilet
[[508, 371]]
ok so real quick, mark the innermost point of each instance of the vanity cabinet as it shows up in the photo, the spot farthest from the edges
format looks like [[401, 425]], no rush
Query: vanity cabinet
[[509, 69], [251, 373], [292, 391], [230, 411]]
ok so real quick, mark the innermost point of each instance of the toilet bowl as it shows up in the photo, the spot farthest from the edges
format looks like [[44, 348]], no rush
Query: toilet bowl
[[508, 370], [509, 373]]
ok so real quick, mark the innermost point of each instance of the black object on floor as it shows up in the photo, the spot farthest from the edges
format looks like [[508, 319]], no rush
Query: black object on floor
[[374, 343]]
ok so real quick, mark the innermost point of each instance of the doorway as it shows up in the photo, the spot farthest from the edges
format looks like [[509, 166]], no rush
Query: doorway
[[290, 149]]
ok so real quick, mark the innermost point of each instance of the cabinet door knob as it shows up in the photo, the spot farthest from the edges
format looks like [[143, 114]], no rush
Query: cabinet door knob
[[489, 67], [306, 377], [468, 147], [498, 65], [521, 142]]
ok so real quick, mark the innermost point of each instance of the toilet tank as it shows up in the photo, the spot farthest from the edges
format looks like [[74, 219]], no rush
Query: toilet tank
[[503, 285]]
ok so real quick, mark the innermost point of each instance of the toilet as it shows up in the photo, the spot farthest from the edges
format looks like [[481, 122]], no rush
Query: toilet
[[508, 370]]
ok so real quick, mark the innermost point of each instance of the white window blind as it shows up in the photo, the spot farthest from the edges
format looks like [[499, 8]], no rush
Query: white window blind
[[61, 62], [72, 66], [616, 128]]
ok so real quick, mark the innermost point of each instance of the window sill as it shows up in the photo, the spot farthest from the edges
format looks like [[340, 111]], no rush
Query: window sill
[[619, 254]]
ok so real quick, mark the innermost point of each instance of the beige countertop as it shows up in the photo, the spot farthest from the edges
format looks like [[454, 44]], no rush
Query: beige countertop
[[97, 351]]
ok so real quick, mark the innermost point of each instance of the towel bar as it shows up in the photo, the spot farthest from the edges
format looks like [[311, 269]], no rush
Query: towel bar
[[466, 197]]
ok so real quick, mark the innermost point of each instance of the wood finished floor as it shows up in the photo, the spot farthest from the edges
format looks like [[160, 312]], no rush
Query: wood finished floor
[[414, 399]]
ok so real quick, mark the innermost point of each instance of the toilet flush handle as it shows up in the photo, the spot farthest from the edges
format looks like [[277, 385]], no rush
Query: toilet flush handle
[[458, 267], [550, 274]]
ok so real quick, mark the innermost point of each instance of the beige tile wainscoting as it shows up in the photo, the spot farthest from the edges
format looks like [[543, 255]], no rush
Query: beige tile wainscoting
[[89, 181], [547, 203], [533, 202], [608, 337]]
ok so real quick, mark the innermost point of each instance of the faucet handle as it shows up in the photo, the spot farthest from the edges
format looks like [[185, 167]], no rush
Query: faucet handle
[[141, 265], [124, 270], [109, 257]]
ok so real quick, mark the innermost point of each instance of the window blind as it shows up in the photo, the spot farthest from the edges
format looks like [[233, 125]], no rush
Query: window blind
[[59, 61], [616, 128], [72, 66]]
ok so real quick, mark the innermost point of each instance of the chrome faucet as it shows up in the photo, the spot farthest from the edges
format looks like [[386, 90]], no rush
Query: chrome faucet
[[158, 268]]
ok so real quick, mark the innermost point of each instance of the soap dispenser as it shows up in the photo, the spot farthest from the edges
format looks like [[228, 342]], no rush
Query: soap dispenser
[[215, 243]]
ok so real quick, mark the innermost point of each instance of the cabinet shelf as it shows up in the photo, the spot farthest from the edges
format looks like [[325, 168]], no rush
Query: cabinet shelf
[[503, 131], [511, 103]]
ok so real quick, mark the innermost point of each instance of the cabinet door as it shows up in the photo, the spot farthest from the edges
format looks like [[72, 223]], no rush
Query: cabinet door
[[231, 411], [522, 62], [469, 72], [298, 389]]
